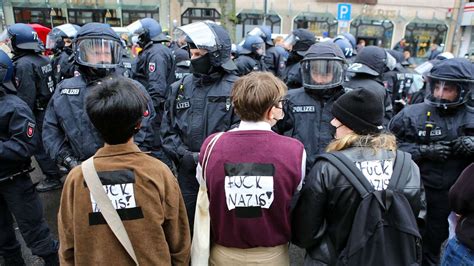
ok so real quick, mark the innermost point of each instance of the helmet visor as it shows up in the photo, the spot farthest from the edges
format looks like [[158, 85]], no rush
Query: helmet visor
[[99, 53], [4, 36], [448, 93], [259, 48], [50, 41], [201, 35], [134, 27], [322, 73], [390, 62], [257, 32], [289, 41]]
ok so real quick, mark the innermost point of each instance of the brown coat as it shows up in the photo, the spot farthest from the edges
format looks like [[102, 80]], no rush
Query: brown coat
[[160, 237]]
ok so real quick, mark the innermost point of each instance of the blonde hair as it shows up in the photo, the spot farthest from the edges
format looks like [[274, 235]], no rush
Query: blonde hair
[[254, 93], [384, 141]]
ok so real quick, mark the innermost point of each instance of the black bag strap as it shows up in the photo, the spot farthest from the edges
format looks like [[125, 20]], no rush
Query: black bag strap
[[350, 171], [401, 171]]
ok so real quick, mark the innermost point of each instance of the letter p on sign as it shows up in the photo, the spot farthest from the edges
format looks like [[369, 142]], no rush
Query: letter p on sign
[[344, 12]]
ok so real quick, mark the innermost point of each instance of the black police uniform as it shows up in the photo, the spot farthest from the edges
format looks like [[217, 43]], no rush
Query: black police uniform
[[18, 141], [63, 65], [292, 73], [423, 124], [68, 132], [275, 60], [35, 85], [155, 70], [197, 107], [246, 64], [308, 118]]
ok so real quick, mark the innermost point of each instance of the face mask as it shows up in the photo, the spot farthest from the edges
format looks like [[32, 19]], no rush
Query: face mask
[[201, 65]]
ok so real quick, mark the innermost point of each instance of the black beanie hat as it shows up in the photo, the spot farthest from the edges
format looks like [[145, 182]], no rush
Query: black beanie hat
[[361, 110]]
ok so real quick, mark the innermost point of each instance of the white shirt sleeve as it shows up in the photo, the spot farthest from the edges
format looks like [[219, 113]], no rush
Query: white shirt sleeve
[[303, 170]]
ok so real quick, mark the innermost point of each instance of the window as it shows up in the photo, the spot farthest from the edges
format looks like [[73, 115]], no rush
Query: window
[[373, 31], [319, 24], [420, 35], [83, 16], [249, 21], [199, 14], [130, 16], [32, 15]]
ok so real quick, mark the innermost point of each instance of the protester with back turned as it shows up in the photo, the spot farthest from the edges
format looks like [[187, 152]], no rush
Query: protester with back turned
[[328, 212]]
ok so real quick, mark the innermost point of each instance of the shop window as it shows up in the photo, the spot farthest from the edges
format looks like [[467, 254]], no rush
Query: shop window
[[83, 16], [419, 37], [249, 21], [32, 15], [319, 24], [373, 31], [199, 14], [130, 16]]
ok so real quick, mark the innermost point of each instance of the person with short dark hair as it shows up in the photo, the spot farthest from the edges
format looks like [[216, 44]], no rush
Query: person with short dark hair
[[142, 189], [253, 162]]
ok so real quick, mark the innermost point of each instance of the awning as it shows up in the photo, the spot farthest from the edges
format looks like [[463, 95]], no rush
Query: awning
[[317, 16]]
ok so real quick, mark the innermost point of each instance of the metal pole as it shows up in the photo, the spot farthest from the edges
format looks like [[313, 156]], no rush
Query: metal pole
[[265, 6]]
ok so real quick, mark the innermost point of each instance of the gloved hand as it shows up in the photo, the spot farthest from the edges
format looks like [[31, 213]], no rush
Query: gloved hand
[[70, 162], [464, 146], [437, 151]]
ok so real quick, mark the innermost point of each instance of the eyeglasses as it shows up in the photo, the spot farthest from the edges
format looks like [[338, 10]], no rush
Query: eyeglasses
[[283, 102]]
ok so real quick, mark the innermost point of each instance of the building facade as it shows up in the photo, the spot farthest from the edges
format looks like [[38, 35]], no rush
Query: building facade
[[378, 22]]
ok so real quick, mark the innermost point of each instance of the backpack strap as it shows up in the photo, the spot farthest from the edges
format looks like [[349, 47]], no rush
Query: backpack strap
[[350, 171], [401, 171]]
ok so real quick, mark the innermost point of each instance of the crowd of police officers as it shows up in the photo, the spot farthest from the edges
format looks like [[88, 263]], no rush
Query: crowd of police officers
[[188, 81]]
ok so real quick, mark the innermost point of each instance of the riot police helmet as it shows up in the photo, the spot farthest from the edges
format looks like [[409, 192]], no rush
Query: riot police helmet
[[299, 41], [61, 36], [450, 83], [6, 71], [323, 66], [212, 38], [263, 32], [253, 45], [148, 30], [373, 60], [21, 36], [345, 46], [98, 46]]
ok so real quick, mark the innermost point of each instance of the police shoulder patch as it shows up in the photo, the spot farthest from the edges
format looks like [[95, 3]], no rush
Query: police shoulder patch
[[151, 67], [30, 129], [70, 91]]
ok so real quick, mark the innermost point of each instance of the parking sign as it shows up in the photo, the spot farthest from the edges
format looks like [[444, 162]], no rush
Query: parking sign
[[344, 12]]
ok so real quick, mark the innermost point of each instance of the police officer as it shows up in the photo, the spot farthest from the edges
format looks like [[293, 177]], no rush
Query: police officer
[[199, 104], [368, 67], [34, 81], [439, 133], [251, 55], [69, 136], [274, 59], [298, 42], [180, 51], [18, 141], [400, 82], [308, 109], [155, 70], [59, 40], [345, 46]]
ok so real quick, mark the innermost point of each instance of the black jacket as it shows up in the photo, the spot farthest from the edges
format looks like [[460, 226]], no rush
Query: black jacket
[[323, 216], [409, 126], [34, 79]]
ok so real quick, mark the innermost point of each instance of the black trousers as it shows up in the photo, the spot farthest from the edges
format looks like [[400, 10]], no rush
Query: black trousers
[[18, 197], [437, 226], [48, 166]]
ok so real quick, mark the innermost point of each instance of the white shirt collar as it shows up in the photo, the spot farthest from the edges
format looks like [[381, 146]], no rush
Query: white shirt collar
[[248, 125]]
